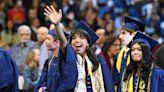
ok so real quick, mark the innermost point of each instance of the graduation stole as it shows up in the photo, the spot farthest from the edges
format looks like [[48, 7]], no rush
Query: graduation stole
[[90, 73], [88, 79], [140, 84], [88, 65], [89, 68], [119, 59]]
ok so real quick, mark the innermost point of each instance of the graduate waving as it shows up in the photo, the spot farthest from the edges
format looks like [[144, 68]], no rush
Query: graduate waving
[[86, 72]]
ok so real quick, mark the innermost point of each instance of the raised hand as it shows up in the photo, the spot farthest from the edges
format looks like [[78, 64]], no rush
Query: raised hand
[[52, 14]]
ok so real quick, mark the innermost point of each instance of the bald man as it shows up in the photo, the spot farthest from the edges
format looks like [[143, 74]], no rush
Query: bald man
[[41, 37], [42, 34]]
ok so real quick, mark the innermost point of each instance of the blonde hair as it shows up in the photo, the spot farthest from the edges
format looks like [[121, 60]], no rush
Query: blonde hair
[[29, 61]]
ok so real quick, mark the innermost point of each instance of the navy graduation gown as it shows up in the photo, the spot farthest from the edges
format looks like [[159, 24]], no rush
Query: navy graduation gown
[[61, 75], [49, 77], [9, 76], [115, 74], [108, 81], [43, 78], [157, 80], [69, 74]]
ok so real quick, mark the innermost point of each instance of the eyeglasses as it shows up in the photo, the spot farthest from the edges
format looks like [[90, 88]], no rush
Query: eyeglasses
[[116, 45]]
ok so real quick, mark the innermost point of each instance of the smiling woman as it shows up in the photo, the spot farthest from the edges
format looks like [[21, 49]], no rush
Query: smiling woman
[[80, 42], [136, 52], [142, 74], [84, 71]]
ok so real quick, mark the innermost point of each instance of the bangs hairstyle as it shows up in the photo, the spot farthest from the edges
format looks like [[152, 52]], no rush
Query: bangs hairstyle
[[146, 62], [92, 56], [29, 61], [82, 34]]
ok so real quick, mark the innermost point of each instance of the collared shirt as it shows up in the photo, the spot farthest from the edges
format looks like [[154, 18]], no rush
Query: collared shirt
[[19, 52]]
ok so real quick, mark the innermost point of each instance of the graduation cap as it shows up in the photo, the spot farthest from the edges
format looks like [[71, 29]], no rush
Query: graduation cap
[[52, 32], [140, 37], [86, 28], [133, 24]]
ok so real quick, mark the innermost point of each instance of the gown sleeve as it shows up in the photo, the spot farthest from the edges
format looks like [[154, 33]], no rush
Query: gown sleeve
[[108, 81], [157, 80], [68, 69], [9, 74], [43, 78]]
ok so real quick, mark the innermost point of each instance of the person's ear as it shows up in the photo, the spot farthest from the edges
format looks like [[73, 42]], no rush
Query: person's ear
[[134, 33], [56, 42], [87, 46]]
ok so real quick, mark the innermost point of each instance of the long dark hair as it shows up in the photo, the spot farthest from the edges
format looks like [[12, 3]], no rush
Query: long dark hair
[[91, 55], [146, 62]]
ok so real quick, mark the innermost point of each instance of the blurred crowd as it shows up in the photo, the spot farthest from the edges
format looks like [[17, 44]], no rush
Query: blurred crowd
[[107, 14], [24, 26]]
